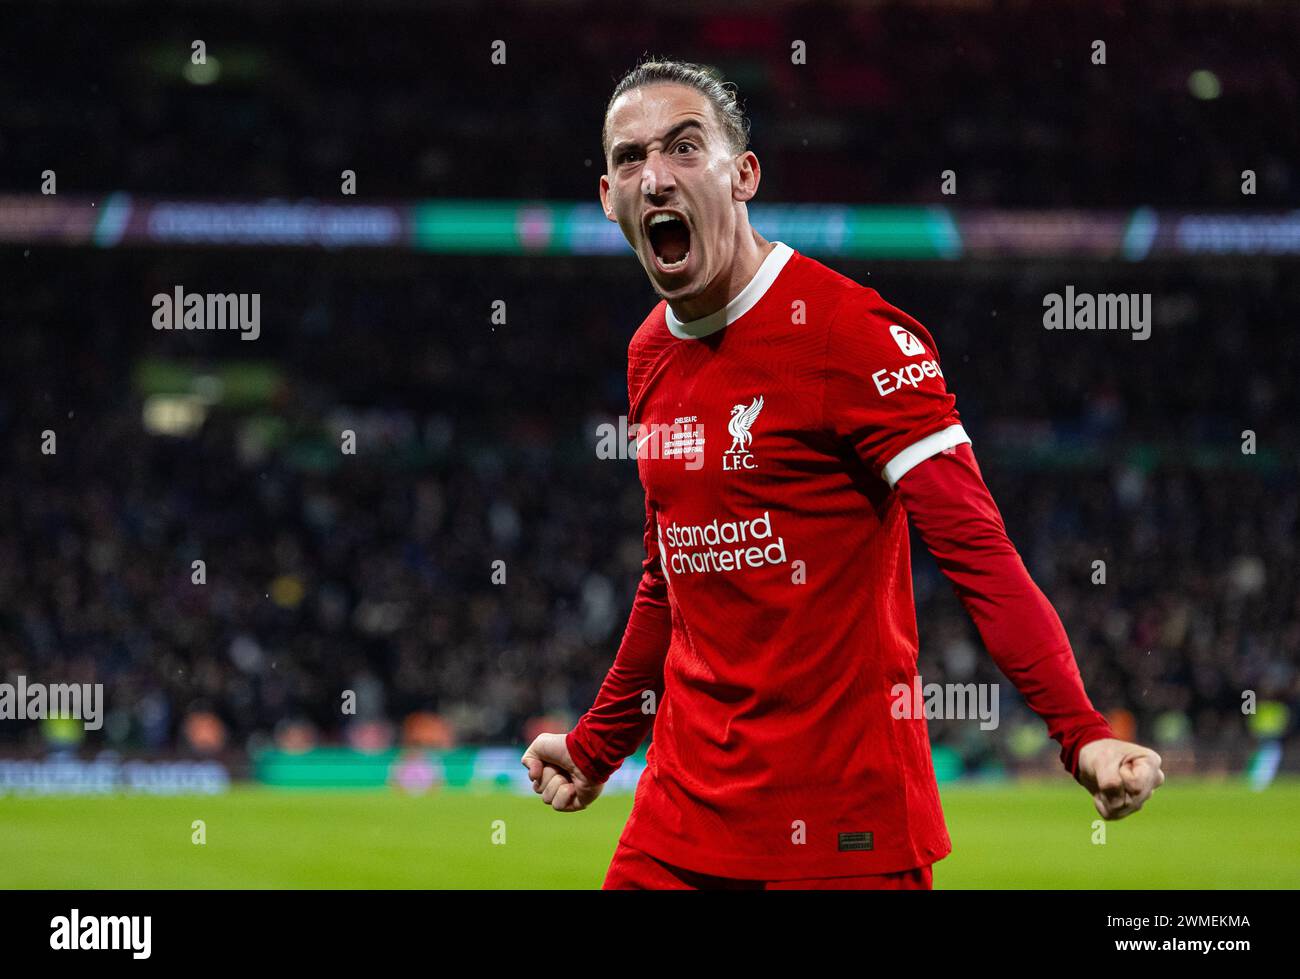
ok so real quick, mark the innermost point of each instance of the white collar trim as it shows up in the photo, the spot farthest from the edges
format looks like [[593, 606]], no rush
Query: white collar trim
[[739, 306]]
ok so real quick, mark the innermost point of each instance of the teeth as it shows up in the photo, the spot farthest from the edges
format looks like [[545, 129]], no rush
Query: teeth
[[661, 218], [677, 264]]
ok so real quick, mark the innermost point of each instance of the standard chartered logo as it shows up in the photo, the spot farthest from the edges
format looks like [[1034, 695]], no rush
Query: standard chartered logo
[[721, 546]]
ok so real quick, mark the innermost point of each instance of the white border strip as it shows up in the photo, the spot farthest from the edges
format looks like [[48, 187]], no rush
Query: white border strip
[[918, 452]]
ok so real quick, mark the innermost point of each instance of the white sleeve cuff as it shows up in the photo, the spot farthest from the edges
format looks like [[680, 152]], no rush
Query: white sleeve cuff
[[918, 452]]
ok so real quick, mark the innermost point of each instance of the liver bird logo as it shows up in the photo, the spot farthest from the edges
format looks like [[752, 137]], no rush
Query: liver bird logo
[[741, 420]]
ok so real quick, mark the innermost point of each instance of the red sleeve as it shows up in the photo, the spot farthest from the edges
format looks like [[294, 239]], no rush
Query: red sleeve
[[884, 390], [948, 503], [619, 720]]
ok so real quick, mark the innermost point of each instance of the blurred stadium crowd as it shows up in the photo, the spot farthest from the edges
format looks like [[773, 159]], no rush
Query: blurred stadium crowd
[[890, 95], [477, 443]]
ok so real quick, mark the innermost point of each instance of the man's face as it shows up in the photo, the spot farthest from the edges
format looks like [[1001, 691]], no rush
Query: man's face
[[671, 184]]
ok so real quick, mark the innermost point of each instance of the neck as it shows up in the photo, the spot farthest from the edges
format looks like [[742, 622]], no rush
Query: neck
[[751, 249]]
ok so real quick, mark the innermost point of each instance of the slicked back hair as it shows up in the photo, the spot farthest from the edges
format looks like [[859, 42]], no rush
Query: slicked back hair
[[721, 94]]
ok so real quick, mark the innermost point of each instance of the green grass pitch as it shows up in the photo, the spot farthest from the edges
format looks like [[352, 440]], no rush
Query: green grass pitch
[[1027, 835]]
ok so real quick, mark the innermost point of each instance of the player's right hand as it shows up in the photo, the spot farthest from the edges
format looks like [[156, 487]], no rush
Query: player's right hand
[[561, 783]]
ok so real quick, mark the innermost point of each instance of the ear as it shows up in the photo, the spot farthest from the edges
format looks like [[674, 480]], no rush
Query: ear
[[745, 177], [604, 198]]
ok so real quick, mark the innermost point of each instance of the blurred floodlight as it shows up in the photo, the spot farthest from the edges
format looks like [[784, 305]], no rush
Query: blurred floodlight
[[173, 414], [204, 74], [1204, 84]]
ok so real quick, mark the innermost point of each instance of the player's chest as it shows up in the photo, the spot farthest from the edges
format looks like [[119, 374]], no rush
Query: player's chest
[[734, 436]]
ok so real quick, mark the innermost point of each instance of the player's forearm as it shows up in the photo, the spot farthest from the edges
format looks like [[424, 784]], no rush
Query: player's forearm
[[947, 501], [624, 711]]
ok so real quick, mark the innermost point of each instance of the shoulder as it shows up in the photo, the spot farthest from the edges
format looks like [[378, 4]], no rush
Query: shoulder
[[647, 348], [651, 336], [866, 325], [822, 289], [855, 316]]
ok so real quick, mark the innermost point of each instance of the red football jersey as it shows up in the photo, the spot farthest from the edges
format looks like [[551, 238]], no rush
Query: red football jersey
[[775, 612]]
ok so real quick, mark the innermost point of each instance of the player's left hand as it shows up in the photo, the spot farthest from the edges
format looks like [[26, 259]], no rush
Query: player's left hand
[[1120, 775]]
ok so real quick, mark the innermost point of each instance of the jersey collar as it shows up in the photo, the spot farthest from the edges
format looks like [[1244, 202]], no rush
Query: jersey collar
[[739, 306]]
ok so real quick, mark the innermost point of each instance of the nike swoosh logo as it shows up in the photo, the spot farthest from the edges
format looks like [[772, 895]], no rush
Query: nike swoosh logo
[[644, 440]]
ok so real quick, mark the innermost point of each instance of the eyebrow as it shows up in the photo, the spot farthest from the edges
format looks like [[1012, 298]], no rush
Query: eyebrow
[[677, 130]]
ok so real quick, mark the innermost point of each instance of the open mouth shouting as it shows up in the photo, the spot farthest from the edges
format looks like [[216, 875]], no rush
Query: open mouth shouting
[[670, 239]]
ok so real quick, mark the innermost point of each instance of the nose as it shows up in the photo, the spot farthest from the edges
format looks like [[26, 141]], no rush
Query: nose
[[656, 175]]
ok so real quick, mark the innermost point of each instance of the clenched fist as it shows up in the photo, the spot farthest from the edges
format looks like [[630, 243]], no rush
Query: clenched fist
[[562, 785], [1120, 775]]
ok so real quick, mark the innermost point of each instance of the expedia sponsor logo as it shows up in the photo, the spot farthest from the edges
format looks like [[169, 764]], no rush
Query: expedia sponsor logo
[[907, 342], [909, 375]]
